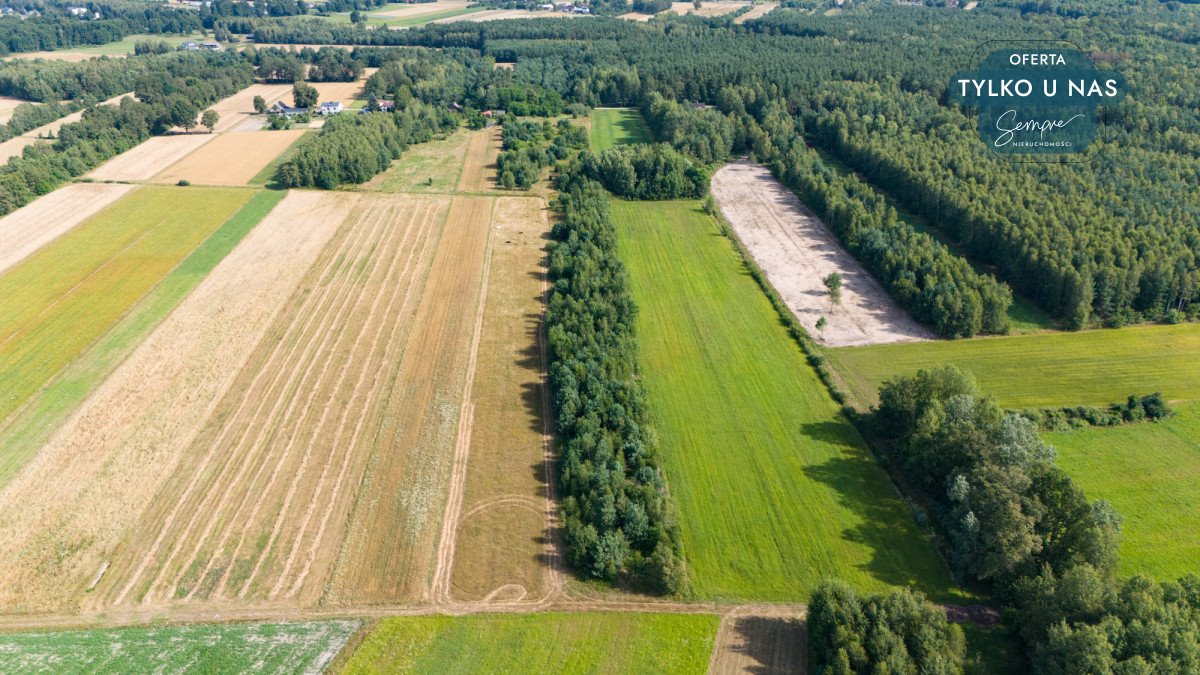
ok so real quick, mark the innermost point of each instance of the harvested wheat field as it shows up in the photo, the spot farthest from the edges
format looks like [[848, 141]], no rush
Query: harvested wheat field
[[796, 251], [388, 551], [46, 218], [64, 516], [236, 109], [148, 158], [760, 10], [500, 546], [346, 92], [707, 9], [761, 641], [8, 106], [212, 165], [422, 8], [499, 14], [479, 169]]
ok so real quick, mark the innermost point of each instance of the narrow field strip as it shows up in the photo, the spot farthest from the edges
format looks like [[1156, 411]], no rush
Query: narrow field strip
[[479, 168], [501, 532], [212, 165], [61, 299], [776, 490], [388, 551], [66, 514], [29, 428], [43, 220]]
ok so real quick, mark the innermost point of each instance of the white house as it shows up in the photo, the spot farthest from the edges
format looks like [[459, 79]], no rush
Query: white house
[[330, 108]]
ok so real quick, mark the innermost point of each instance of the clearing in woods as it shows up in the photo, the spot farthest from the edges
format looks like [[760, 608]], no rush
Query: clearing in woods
[[46, 218], [211, 165], [1095, 367], [59, 300], [1150, 473], [618, 126], [591, 642], [479, 169], [796, 252], [426, 167], [301, 647], [760, 10], [501, 548], [731, 395], [66, 514]]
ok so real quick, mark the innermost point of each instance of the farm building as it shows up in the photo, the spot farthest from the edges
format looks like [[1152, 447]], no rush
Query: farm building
[[287, 111]]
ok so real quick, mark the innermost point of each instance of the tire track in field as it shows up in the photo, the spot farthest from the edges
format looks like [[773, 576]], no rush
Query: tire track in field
[[194, 484], [397, 277]]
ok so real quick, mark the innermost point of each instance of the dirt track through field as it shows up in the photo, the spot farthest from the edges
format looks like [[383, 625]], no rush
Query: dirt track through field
[[479, 169], [797, 251], [43, 220], [212, 165], [68, 511]]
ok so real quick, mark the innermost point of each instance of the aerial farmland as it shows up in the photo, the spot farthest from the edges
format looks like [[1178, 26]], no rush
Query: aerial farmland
[[673, 338]]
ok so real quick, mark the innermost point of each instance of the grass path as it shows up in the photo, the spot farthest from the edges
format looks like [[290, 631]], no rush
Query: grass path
[[776, 490]]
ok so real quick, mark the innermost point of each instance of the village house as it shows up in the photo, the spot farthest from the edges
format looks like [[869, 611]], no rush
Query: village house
[[330, 108], [287, 111]]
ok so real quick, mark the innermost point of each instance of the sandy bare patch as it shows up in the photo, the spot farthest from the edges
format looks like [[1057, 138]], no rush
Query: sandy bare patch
[[43, 220], [231, 159], [797, 251], [479, 167], [150, 157], [760, 641], [68, 510], [759, 10]]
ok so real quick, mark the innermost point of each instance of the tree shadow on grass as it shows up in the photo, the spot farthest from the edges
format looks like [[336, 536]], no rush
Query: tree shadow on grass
[[886, 526]]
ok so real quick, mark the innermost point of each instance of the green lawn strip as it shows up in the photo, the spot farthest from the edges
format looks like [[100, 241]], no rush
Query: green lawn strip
[[201, 648], [1150, 472], [1023, 314], [618, 126], [593, 642], [267, 175], [1096, 367], [776, 490], [28, 430]]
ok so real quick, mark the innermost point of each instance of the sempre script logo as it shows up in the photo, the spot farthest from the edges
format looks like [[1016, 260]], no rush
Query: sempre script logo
[[1038, 98]]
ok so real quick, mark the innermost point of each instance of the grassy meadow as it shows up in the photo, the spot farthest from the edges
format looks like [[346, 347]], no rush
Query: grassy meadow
[[213, 648], [1151, 474], [776, 490], [58, 301], [617, 126], [1095, 367], [426, 167], [26, 431], [631, 642]]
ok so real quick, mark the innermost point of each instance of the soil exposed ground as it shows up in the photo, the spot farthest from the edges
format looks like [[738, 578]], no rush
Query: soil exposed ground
[[758, 11], [43, 220], [796, 251], [15, 146], [388, 551], [501, 551], [149, 157], [479, 169], [231, 159], [256, 509], [65, 515], [762, 641]]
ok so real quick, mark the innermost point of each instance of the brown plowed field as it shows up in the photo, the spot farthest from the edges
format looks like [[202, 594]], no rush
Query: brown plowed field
[[43, 220], [65, 516], [479, 169], [231, 159], [388, 551], [502, 521], [149, 157]]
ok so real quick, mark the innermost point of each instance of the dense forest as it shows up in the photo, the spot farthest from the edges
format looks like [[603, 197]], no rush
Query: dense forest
[[53, 27]]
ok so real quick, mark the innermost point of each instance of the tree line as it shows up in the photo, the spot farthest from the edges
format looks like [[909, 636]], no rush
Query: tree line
[[56, 28], [644, 171], [530, 146]]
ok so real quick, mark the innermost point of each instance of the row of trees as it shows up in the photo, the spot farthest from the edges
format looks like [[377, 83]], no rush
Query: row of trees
[[531, 146], [618, 517]]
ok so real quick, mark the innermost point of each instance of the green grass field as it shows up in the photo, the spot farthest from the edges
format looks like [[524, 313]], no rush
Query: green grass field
[[539, 643], [1050, 369], [618, 126], [214, 648], [61, 299], [1151, 474], [776, 490], [26, 431], [126, 45]]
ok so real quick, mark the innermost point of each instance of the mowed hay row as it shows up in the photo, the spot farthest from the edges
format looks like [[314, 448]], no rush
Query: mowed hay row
[[60, 299], [46, 218], [231, 159], [257, 508], [479, 168], [149, 157], [388, 552], [500, 544], [63, 518]]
